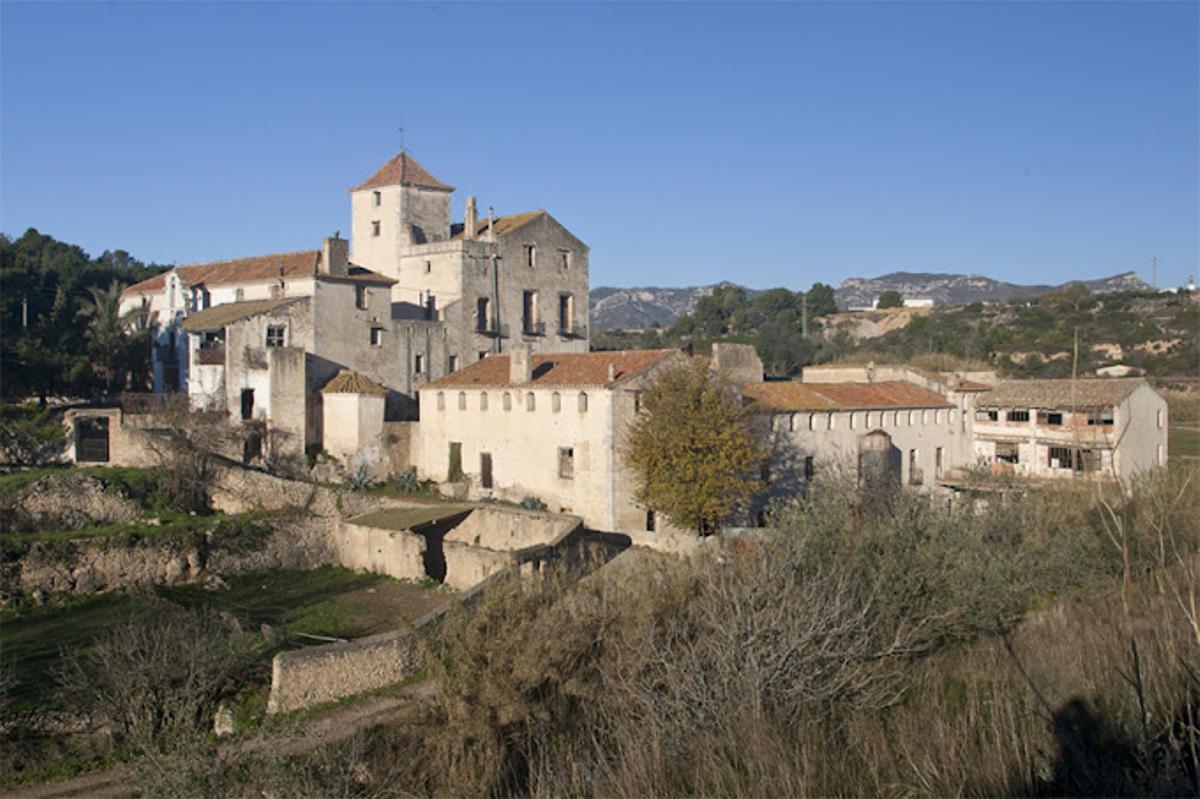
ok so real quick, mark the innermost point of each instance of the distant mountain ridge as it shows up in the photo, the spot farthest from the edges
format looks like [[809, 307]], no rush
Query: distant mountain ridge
[[612, 308]]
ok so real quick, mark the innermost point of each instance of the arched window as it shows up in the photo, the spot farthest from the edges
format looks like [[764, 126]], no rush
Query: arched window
[[555, 402], [924, 417], [812, 421], [462, 400], [441, 401], [852, 420], [530, 403], [507, 401], [483, 401], [829, 421], [582, 402], [896, 419]]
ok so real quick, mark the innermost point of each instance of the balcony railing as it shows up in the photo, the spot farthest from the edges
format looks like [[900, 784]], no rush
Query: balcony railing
[[572, 331]]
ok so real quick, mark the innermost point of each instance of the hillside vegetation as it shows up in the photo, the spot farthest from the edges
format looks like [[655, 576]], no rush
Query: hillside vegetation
[[1032, 337]]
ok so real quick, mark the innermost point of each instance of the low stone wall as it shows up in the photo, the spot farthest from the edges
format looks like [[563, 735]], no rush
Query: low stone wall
[[305, 677], [91, 565], [491, 539], [302, 678], [396, 553]]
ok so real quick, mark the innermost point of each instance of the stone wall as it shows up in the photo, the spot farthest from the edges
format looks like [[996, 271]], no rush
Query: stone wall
[[91, 566], [306, 677], [396, 553]]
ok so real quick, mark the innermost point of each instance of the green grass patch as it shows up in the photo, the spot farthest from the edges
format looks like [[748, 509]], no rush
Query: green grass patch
[[31, 638], [140, 485], [1183, 442], [311, 602]]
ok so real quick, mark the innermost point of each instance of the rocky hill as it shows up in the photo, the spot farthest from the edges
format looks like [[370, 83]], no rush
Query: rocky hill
[[613, 308], [946, 289]]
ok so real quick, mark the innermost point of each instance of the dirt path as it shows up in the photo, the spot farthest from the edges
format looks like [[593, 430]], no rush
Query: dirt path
[[308, 735]]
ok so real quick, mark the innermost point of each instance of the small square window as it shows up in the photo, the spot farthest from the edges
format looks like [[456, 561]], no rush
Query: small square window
[[276, 336], [375, 227], [376, 336]]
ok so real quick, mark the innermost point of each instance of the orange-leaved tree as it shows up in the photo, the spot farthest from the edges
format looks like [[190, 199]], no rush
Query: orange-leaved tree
[[693, 449]]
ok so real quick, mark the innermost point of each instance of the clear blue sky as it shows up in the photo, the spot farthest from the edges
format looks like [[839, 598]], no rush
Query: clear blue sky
[[768, 144]]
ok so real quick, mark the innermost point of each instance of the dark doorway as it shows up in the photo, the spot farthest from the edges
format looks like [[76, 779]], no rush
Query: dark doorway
[[91, 439], [247, 403], [485, 469]]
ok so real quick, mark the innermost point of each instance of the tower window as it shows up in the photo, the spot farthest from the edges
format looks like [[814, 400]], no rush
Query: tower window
[[565, 259], [530, 256], [360, 297], [378, 198], [418, 364], [376, 336], [375, 227], [428, 267]]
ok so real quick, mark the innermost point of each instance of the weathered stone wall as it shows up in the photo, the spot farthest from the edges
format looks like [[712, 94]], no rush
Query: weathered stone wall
[[71, 501], [306, 677], [396, 553], [91, 566]]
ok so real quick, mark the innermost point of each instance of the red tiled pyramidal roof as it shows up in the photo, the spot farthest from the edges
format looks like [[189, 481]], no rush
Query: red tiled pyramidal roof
[[559, 369], [403, 170], [794, 396], [351, 382], [237, 270]]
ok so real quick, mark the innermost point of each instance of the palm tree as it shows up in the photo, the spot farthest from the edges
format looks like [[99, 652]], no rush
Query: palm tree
[[108, 335]]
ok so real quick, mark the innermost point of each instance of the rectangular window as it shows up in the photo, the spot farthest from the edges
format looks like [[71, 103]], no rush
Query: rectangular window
[[984, 415], [485, 469], [565, 259], [914, 472], [360, 297], [247, 403], [1160, 416], [376, 336], [428, 267], [1051, 418], [566, 462], [565, 313], [483, 315], [1007, 452], [1061, 458], [418, 364], [375, 227], [452, 363], [1018, 416], [1100, 418], [530, 256], [378, 198], [937, 463], [810, 467], [651, 522], [529, 322], [276, 335]]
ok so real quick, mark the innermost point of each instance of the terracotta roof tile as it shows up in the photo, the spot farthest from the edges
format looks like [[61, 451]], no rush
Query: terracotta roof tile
[[256, 269], [403, 170], [559, 369], [238, 270], [503, 225], [349, 382], [794, 396], [1058, 394], [227, 313]]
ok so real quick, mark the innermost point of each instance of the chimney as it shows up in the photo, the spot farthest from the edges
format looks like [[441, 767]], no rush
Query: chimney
[[520, 365], [612, 372], [470, 223], [491, 235], [335, 256]]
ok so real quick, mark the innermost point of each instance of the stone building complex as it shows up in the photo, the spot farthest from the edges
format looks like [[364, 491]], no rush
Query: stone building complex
[[459, 351], [409, 298]]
